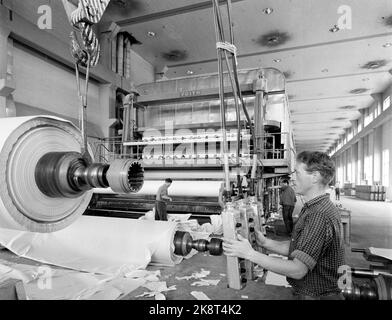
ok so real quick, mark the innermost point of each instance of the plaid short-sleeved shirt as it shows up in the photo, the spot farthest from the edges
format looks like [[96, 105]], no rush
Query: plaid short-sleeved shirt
[[317, 242]]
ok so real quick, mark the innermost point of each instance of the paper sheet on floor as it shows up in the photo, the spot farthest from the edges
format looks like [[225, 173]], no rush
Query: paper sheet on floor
[[200, 295], [45, 283], [205, 283], [196, 275], [102, 245], [156, 290]]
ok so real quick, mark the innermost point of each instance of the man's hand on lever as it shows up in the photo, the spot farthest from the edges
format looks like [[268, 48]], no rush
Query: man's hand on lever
[[261, 239], [238, 248]]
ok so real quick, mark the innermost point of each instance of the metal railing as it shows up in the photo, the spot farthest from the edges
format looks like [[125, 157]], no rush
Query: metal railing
[[108, 149]]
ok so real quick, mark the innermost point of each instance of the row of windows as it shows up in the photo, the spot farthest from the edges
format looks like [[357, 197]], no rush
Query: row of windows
[[367, 117]]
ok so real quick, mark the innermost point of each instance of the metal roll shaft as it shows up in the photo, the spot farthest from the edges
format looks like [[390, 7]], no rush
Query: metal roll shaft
[[68, 175], [184, 243]]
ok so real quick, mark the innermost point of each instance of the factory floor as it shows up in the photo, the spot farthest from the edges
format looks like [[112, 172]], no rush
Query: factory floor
[[371, 226]]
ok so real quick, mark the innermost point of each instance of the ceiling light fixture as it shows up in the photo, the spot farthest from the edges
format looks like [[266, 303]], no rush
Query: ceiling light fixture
[[268, 11], [359, 91], [273, 40], [334, 29], [277, 60], [347, 107], [387, 45], [189, 72], [151, 34], [324, 70], [374, 65]]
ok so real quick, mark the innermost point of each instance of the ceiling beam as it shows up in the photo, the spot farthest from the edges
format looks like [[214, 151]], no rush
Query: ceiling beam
[[170, 13], [309, 46], [338, 76], [331, 111], [329, 98]]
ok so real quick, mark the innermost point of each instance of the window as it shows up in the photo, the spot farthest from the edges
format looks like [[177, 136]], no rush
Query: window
[[360, 124], [378, 109], [368, 158], [387, 103], [368, 116], [350, 134], [385, 168]]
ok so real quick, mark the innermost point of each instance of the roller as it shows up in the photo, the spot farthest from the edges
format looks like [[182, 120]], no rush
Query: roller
[[68, 174], [179, 188], [45, 183], [107, 245], [188, 175], [183, 244]]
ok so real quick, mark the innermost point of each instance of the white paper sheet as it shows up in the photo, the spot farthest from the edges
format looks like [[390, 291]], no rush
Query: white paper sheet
[[45, 283], [381, 252], [101, 245], [178, 188], [200, 295]]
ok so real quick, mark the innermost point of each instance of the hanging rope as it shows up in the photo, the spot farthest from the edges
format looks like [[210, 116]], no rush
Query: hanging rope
[[225, 50], [229, 47]]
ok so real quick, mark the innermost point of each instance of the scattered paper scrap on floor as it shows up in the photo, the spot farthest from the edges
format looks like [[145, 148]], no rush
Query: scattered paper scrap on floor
[[196, 275], [199, 295], [42, 282], [156, 290], [205, 283]]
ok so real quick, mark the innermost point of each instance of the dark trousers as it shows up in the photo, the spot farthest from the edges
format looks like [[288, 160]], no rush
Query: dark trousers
[[288, 217], [337, 194], [160, 210]]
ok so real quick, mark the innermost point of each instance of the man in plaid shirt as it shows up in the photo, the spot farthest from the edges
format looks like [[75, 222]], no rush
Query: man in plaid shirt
[[316, 250]]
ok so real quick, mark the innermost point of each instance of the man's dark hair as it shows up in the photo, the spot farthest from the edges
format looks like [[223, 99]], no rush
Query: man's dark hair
[[168, 180], [286, 181], [318, 161]]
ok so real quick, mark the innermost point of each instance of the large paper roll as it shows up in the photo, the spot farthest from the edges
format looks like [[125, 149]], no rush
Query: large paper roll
[[23, 141], [177, 189], [188, 174], [99, 245]]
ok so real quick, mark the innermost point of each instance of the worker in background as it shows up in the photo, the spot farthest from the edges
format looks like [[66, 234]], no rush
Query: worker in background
[[316, 250], [287, 201], [337, 191], [161, 199]]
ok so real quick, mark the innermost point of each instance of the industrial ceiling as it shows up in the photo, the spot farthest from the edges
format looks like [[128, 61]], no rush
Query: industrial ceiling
[[332, 69]]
